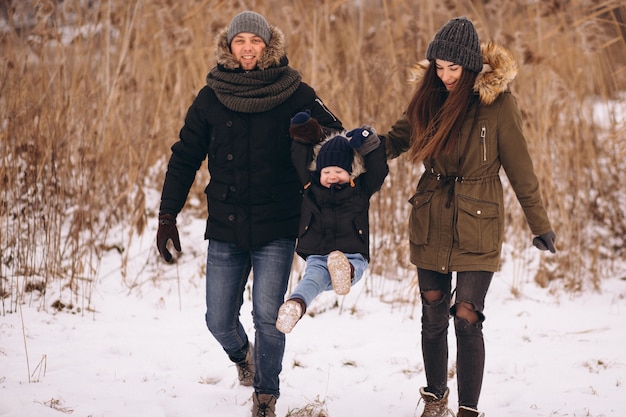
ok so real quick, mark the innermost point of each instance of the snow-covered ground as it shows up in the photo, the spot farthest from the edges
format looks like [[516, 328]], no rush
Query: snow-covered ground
[[145, 351]]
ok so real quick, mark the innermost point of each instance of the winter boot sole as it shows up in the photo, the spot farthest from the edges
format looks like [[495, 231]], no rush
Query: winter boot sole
[[288, 315], [340, 272]]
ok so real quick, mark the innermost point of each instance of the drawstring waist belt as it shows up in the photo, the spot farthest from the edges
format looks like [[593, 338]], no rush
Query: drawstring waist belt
[[451, 180], [448, 179]]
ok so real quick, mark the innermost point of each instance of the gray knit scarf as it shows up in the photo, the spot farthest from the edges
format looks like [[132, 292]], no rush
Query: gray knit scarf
[[253, 91]]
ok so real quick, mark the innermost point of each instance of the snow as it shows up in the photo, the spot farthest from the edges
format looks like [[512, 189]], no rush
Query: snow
[[144, 350]]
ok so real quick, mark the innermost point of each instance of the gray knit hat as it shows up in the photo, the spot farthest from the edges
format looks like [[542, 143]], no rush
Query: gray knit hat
[[457, 41], [250, 22]]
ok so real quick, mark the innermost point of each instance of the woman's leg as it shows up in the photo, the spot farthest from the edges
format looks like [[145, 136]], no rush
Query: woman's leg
[[469, 304], [435, 289]]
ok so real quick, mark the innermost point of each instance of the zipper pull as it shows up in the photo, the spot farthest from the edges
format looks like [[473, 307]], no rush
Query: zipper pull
[[483, 135]]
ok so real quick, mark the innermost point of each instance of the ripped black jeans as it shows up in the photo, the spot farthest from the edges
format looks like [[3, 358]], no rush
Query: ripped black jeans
[[471, 288]]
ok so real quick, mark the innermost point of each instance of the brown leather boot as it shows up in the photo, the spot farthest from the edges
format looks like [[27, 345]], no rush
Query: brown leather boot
[[245, 368], [435, 406], [264, 405], [469, 412]]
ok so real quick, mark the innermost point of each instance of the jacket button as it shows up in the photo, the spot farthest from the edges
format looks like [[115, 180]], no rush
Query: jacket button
[[231, 217], [443, 268], [232, 188], [361, 232], [479, 212], [229, 123], [230, 157]]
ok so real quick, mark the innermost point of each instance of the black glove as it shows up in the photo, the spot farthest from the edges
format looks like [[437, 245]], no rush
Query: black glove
[[304, 128], [545, 241], [167, 230], [364, 139]]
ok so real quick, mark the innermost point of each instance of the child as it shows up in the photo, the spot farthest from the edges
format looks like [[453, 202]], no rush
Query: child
[[340, 174]]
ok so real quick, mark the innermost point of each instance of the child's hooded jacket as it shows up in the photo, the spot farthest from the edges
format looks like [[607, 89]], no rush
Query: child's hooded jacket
[[337, 218]]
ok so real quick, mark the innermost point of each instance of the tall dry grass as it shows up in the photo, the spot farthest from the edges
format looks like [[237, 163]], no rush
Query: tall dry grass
[[92, 94]]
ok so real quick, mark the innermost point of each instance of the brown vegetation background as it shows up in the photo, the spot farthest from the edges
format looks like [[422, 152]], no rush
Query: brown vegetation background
[[93, 94]]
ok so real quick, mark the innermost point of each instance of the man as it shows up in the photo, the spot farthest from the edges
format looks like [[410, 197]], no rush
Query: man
[[240, 120]]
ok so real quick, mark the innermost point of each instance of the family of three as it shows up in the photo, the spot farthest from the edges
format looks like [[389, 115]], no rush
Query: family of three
[[285, 177]]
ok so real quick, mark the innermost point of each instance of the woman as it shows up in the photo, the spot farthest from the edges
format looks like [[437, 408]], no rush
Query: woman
[[463, 124]]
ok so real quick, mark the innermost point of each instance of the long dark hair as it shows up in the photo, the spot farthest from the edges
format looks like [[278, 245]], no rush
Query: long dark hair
[[436, 115]]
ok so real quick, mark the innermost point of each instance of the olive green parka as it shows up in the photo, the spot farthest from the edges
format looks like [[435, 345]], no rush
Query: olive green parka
[[457, 215]]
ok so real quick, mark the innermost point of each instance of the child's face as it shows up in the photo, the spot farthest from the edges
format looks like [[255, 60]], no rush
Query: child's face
[[333, 175]]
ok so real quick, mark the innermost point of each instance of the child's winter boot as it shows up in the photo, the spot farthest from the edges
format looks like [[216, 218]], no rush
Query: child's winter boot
[[289, 314], [341, 272]]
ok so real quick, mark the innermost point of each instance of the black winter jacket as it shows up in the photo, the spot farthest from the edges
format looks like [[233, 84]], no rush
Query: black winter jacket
[[254, 193]]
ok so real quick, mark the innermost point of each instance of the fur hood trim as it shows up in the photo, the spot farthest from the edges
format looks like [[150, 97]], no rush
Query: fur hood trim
[[358, 164], [499, 71], [273, 54]]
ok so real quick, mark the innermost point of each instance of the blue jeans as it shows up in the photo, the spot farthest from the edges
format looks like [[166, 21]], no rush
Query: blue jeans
[[471, 287], [316, 277], [227, 271]]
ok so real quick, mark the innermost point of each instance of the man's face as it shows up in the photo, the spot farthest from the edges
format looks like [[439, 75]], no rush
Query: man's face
[[247, 49]]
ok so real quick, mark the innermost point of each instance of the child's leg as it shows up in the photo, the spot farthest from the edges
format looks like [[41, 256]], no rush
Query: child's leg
[[315, 280]]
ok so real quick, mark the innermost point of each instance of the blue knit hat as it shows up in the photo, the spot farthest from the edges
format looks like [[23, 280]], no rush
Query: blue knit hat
[[457, 41], [335, 152], [250, 22]]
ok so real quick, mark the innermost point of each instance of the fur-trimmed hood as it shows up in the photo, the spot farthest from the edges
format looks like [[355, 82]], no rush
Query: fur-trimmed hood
[[499, 70], [358, 164], [273, 55]]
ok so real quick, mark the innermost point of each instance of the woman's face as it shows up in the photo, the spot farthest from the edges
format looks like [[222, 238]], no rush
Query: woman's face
[[448, 72], [247, 49]]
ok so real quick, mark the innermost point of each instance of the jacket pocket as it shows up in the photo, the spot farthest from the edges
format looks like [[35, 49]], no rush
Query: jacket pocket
[[419, 219], [477, 225], [305, 223], [360, 229], [216, 191]]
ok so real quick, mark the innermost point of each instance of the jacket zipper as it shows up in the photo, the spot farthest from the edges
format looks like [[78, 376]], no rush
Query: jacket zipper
[[483, 141], [326, 109]]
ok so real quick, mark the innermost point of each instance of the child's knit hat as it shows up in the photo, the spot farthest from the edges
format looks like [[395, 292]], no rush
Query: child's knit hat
[[335, 152]]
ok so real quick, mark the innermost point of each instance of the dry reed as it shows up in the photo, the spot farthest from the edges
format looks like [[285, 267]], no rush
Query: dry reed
[[92, 94]]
